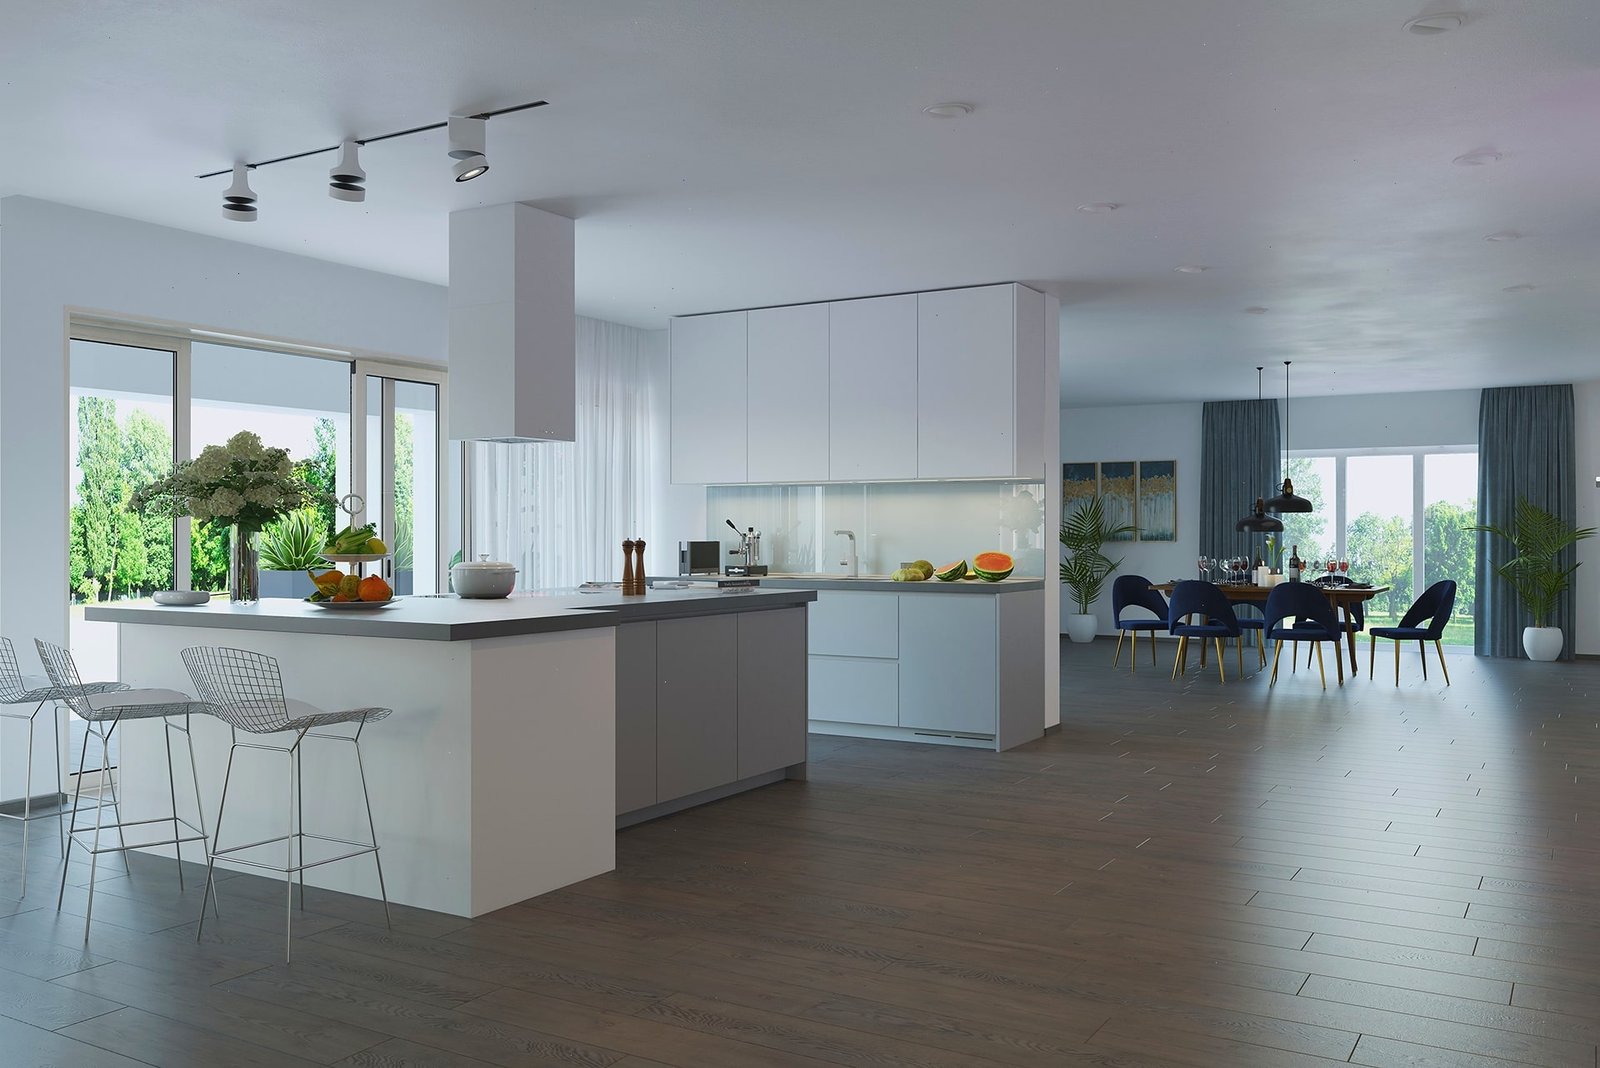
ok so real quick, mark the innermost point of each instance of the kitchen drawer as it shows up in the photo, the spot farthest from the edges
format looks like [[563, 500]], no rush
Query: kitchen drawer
[[855, 624], [848, 690]]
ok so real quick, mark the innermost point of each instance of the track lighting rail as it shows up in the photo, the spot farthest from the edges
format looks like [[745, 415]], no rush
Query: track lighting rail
[[363, 141]]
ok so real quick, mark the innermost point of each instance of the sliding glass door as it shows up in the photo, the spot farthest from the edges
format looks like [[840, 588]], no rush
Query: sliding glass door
[[403, 457]]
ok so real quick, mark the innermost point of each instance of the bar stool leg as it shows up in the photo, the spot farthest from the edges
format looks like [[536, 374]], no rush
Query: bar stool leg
[[372, 829], [61, 791], [99, 817], [211, 853], [194, 777], [172, 792], [72, 820]]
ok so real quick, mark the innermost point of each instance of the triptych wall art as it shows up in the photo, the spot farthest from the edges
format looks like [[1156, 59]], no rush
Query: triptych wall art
[[1143, 493]]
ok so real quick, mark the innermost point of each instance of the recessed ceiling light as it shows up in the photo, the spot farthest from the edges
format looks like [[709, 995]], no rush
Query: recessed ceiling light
[[1429, 25], [1255, 309], [1099, 207], [951, 110], [1521, 287], [1191, 268], [1478, 157]]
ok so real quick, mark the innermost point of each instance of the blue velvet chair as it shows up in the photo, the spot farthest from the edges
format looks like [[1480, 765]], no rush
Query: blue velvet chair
[[1195, 598], [1133, 591], [1423, 622], [1357, 623], [1314, 621]]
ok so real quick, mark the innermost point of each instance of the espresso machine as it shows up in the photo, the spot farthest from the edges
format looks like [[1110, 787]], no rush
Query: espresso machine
[[746, 559]]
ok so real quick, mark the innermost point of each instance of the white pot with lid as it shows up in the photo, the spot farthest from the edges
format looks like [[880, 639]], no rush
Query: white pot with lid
[[483, 577]]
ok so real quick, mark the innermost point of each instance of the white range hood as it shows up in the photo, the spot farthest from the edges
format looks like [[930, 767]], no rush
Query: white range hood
[[512, 334]]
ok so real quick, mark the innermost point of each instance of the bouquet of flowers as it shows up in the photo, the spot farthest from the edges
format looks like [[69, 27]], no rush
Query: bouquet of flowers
[[243, 484]]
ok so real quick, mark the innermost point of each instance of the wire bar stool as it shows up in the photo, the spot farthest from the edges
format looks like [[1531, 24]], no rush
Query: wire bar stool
[[14, 690], [104, 712], [245, 690]]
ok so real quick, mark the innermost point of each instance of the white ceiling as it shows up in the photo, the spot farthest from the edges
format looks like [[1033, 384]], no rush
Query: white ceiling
[[736, 153]]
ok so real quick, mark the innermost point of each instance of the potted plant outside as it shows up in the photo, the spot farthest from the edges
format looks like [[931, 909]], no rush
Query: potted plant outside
[[1085, 566], [1535, 573], [290, 547]]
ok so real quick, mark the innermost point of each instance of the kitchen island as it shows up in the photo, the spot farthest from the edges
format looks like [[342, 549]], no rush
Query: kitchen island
[[525, 730]]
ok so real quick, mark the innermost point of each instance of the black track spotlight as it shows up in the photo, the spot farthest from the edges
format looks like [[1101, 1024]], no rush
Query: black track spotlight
[[239, 202], [346, 179], [466, 147]]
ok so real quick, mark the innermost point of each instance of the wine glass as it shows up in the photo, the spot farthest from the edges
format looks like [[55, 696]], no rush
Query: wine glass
[[1205, 567]]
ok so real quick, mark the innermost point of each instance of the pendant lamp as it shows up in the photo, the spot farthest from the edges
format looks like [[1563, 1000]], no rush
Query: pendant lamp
[[1287, 500], [1258, 521]]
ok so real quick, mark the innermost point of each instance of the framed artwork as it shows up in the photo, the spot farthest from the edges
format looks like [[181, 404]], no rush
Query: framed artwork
[[1158, 500], [1078, 481], [1119, 493]]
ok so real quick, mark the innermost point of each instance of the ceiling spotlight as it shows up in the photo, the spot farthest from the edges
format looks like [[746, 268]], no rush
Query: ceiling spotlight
[[346, 179], [1503, 235], [1099, 207], [239, 202], [1191, 268], [1478, 157], [1429, 25], [1255, 309], [951, 110], [1520, 288], [466, 147]]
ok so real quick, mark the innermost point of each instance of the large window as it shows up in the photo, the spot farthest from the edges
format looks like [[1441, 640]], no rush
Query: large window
[[1401, 519]]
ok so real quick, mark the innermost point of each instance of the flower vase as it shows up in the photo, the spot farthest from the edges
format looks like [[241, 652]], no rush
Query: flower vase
[[244, 565]]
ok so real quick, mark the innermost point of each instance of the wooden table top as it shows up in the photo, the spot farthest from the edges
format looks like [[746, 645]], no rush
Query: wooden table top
[[1249, 591]]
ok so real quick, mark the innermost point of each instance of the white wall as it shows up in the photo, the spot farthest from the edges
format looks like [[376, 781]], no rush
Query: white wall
[[56, 258], [1586, 585], [1381, 420]]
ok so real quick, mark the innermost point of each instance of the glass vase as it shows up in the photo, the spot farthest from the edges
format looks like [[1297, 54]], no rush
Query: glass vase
[[244, 565]]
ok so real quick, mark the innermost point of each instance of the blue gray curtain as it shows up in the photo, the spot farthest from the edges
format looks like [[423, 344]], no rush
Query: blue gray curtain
[[1240, 460], [1525, 449]]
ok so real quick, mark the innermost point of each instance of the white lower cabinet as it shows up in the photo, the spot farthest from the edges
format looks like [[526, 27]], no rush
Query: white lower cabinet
[[850, 690], [948, 664]]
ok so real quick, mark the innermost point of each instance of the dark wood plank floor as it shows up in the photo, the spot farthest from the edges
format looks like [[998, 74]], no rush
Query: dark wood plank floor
[[1187, 874]]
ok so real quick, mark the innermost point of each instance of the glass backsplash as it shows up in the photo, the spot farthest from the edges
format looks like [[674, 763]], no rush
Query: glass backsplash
[[894, 523]]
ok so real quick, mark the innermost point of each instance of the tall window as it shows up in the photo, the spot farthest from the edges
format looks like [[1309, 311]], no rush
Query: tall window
[[1401, 518]]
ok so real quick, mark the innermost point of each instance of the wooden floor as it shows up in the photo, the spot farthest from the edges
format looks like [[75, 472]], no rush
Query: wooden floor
[[1187, 874]]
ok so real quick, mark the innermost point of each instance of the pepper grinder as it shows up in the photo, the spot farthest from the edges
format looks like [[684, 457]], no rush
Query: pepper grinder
[[627, 567], [638, 568]]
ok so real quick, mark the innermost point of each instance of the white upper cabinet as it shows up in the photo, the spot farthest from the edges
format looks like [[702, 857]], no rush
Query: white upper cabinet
[[872, 389], [708, 398], [788, 394], [966, 383]]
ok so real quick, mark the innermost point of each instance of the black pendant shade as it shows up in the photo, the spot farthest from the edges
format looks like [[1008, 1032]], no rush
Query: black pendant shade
[[1259, 522], [1287, 501]]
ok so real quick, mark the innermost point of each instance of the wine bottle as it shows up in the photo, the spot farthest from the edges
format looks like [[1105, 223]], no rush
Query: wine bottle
[[1294, 564]]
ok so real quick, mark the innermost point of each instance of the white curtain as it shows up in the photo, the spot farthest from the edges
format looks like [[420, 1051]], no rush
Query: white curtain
[[561, 511]]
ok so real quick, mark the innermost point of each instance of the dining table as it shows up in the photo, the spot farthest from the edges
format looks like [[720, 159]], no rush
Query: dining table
[[1344, 597]]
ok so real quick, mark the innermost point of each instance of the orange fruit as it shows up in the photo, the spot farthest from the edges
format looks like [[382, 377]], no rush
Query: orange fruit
[[373, 588], [339, 598]]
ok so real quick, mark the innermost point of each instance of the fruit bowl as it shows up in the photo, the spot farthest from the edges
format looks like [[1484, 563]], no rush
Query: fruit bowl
[[354, 558], [352, 604]]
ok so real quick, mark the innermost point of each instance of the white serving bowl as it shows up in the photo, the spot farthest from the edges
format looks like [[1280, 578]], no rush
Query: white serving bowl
[[483, 578], [180, 597]]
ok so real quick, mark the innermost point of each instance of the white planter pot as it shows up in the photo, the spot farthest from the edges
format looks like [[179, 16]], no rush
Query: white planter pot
[[1081, 628], [1542, 643]]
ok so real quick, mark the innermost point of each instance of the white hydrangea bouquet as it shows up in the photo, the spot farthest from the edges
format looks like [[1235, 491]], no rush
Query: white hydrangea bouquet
[[242, 484]]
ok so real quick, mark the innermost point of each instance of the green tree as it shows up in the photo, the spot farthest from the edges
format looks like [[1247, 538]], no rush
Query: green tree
[[1383, 545], [1308, 530], [147, 456], [102, 489], [321, 472], [208, 555], [131, 557], [1451, 549], [404, 510]]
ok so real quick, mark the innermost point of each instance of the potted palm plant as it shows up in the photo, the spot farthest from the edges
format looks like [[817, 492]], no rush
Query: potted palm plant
[[1085, 566], [1535, 573]]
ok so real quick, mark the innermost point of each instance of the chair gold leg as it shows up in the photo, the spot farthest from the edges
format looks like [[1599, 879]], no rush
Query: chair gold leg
[[1439, 647], [1397, 663], [1221, 656], [1202, 654], [1116, 656], [1240, 640], [1153, 662], [1294, 658], [1320, 669], [1277, 651], [1338, 661], [1261, 647], [1177, 658], [1372, 654], [1422, 651], [1308, 655]]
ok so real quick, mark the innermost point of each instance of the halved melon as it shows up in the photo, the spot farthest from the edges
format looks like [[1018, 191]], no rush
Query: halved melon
[[993, 566], [951, 572]]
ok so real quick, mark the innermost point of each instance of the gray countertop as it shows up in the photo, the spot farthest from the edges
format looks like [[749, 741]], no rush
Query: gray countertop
[[453, 618], [882, 584]]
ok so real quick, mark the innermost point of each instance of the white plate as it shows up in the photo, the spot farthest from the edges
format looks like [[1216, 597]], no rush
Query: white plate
[[354, 604], [180, 597], [354, 558]]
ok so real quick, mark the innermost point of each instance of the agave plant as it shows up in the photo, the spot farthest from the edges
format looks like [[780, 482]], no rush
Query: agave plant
[[1083, 536], [294, 542], [1534, 572]]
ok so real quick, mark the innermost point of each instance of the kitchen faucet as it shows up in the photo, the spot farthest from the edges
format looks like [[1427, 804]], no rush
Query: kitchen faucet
[[850, 561]]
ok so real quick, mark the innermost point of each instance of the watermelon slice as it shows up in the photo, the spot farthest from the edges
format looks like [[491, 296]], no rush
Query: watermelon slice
[[951, 572], [993, 566]]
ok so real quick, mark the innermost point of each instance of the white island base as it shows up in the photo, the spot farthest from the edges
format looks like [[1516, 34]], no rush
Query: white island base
[[493, 782]]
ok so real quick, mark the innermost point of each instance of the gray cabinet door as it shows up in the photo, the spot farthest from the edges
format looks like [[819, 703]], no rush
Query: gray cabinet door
[[949, 663], [697, 705], [636, 716], [772, 690]]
